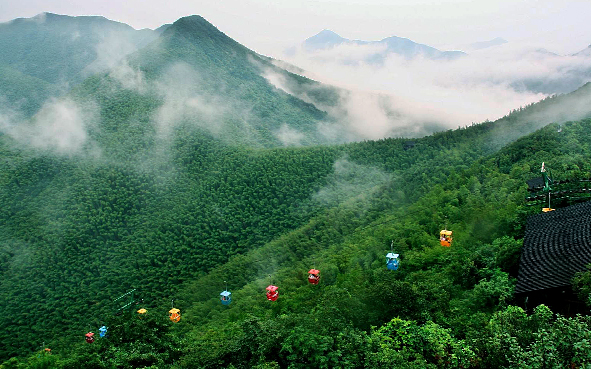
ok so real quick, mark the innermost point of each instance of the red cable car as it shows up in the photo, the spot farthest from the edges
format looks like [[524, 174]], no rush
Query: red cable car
[[314, 276], [89, 337], [272, 292]]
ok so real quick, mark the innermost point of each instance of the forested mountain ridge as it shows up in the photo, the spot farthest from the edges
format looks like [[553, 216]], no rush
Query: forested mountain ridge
[[58, 48], [46, 55], [194, 74]]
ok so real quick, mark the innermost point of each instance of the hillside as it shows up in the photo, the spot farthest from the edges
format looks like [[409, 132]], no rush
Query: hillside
[[195, 75], [116, 225], [59, 48], [174, 177], [52, 52], [449, 297]]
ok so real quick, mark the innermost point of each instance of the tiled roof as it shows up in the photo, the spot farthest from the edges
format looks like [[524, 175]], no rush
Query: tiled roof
[[535, 183], [557, 244]]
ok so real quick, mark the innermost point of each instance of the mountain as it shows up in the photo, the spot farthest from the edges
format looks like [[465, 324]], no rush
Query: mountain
[[323, 40], [570, 72], [251, 217], [187, 114], [585, 53], [172, 172], [194, 74], [327, 39], [62, 51], [486, 44], [26, 92]]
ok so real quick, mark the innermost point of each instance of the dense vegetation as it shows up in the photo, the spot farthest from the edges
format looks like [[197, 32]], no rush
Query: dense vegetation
[[443, 308], [57, 48], [175, 210]]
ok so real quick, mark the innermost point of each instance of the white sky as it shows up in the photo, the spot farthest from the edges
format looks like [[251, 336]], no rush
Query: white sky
[[271, 26]]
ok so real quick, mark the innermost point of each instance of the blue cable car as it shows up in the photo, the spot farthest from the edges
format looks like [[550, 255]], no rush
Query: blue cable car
[[392, 262], [102, 331], [226, 297]]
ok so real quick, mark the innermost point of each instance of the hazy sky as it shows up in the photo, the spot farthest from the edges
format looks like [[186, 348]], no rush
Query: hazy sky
[[270, 26]]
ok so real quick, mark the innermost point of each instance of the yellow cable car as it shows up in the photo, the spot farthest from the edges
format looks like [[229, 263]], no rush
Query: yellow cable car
[[174, 315], [445, 238], [142, 312]]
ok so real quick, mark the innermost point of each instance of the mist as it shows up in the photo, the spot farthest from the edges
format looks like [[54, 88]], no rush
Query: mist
[[416, 97], [185, 100], [350, 180], [61, 126]]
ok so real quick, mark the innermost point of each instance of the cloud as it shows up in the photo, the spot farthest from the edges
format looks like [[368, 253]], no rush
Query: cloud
[[350, 180], [414, 97], [61, 126], [348, 53], [289, 136], [128, 77], [184, 101], [112, 47], [111, 52]]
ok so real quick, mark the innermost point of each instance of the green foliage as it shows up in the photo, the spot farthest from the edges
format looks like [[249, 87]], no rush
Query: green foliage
[[176, 215], [582, 285], [57, 48], [401, 343], [513, 339]]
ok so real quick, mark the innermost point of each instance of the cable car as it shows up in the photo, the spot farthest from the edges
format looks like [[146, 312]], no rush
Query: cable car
[[272, 292], [226, 297], [392, 262], [89, 337], [445, 238], [102, 331], [142, 311], [47, 351], [174, 315], [314, 276]]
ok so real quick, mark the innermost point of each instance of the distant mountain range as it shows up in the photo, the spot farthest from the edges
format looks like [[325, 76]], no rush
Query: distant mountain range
[[585, 52], [327, 39], [568, 74]]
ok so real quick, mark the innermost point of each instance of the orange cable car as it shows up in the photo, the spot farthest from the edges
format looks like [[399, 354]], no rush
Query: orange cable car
[[174, 315], [445, 238]]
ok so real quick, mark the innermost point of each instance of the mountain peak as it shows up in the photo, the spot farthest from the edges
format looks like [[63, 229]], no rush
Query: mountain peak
[[194, 21], [200, 36], [324, 39], [193, 26], [327, 33]]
